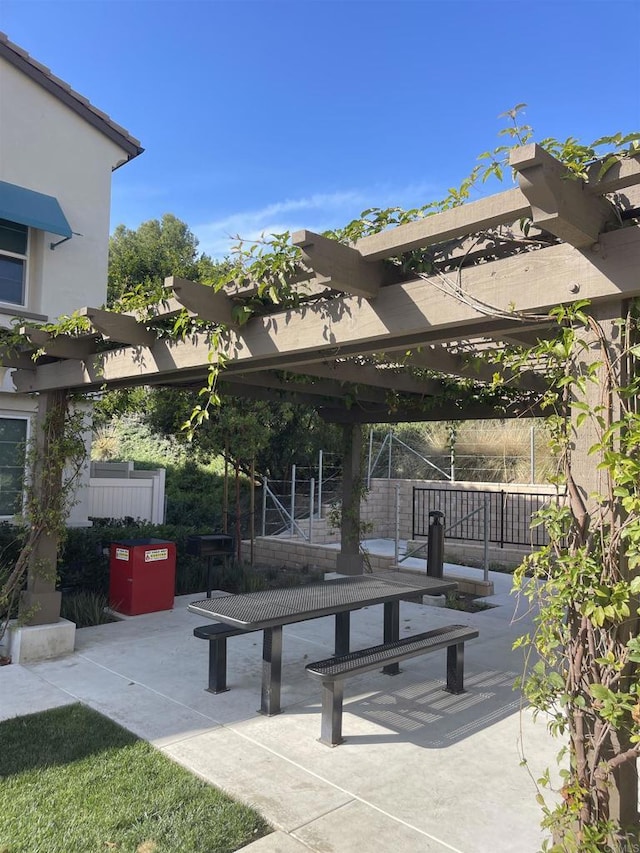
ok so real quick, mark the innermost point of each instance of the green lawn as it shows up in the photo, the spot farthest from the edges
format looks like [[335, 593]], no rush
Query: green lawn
[[72, 781]]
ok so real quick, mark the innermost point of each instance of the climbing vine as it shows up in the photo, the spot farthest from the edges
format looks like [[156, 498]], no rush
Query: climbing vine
[[54, 458], [584, 585]]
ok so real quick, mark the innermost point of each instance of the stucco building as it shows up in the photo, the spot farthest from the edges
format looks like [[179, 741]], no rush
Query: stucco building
[[57, 153]]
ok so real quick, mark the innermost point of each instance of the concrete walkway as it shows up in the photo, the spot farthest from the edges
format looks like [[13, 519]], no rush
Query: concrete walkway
[[421, 771]]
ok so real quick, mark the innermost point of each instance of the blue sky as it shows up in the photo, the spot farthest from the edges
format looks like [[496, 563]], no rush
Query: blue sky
[[285, 115]]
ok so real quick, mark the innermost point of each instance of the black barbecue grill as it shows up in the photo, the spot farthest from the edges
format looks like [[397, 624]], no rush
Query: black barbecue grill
[[212, 546]]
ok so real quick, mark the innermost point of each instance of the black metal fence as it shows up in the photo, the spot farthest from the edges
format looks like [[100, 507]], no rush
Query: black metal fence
[[509, 515]]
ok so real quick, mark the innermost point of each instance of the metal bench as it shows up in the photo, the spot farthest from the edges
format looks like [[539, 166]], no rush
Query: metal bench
[[217, 633], [333, 672]]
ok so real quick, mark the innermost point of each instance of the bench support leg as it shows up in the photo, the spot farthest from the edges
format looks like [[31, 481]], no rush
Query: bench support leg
[[391, 631], [343, 623], [271, 671], [218, 665], [455, 668], [331, 726]]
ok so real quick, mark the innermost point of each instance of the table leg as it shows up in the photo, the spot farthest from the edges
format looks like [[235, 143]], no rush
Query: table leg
[[391, 631], [271, 671], [343, 623], [209, 576]]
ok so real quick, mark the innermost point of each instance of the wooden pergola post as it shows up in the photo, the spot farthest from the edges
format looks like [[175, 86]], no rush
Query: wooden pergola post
[[589, 480], [350, 560], [40, 602]]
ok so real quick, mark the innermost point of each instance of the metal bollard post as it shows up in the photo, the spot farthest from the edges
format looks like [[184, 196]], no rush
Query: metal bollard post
[[435, 545]]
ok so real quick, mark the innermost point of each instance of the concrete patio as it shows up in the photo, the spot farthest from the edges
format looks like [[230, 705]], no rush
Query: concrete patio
[[421, 771]]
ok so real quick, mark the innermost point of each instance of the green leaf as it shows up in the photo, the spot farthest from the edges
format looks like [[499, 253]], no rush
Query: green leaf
[[599, 691]]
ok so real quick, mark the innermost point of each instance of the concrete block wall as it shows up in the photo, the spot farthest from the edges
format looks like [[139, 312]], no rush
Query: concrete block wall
[[294, 553], [378, 509], [322, 533]]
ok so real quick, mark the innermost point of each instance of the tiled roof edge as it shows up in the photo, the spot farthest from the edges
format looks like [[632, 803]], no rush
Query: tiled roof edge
[[58, 88]]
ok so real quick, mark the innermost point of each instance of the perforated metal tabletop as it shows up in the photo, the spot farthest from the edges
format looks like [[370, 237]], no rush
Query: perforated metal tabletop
[[274, 607]]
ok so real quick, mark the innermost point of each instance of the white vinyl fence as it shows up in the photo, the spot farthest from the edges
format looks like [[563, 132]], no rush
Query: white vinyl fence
[[117, 490]]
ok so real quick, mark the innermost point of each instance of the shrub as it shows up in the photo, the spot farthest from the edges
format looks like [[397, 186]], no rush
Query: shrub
[[86, 608], [84, 559]]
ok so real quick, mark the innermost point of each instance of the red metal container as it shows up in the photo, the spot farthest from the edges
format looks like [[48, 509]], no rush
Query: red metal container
[[142, 576]]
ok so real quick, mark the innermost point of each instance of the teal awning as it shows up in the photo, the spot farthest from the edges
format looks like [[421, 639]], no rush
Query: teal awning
[[27, 207]]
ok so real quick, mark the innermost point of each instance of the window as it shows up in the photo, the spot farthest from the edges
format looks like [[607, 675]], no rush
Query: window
[[13, 262], [13, 444]]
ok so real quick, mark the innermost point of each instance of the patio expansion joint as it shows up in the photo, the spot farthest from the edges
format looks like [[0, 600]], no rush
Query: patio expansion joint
[[29, 669], [129, 680], [353, 797]]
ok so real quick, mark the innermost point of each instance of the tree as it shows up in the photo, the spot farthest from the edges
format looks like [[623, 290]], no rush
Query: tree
[[140, 260], [274, 435]]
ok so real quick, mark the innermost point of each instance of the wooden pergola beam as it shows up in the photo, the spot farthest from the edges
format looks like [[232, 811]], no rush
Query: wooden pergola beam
[[301, 397], [441, 361], [402, 316], [338, 266], [560, 202], [502, 209], [317, 387], [59, 346], [122, 328], [440, 410], [528, 337], [392, 378], [17, 360], [248, 287], [168, 308], [209, 304], [623, 174]]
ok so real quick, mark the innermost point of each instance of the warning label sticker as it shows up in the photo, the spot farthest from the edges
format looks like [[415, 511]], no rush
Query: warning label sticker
[[156, 554], [122, 554]]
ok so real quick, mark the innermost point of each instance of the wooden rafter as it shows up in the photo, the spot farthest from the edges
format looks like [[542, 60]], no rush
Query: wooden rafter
[[441, 360], [393, 377], [297, 396], [209, 304], [59, 346], [442, 410], [621, 175], [338, 266], [502, 209], [402, 316], [318, 387], [560, 202], [121, 328], [17, 360]]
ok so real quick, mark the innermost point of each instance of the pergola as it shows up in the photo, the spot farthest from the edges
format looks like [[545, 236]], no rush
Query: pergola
[[370, 341], [364, 326]]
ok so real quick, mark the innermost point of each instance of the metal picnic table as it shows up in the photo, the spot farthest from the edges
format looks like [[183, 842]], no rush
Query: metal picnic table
[[270, 609]]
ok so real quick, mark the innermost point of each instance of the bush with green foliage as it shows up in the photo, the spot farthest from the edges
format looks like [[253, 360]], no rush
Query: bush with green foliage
[[194, 487], [84, 559], [85, 608]]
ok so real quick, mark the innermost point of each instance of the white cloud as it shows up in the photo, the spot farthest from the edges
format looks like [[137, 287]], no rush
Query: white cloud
[[318, 212]]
